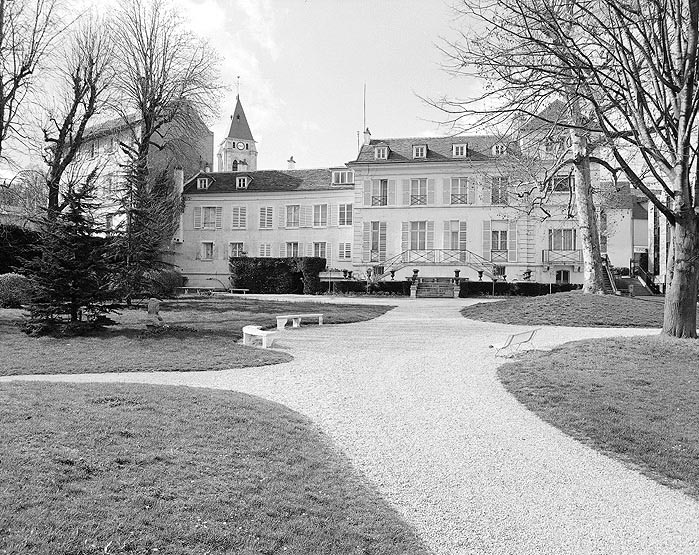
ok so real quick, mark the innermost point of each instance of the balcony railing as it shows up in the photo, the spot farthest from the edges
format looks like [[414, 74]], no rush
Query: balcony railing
[[418, 200], [379, 201], [498, 256], [459, 198], [561, 257], [375, 256]]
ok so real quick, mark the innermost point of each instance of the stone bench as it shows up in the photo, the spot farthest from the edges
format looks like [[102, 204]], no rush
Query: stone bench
[[238, 290], [296, 319], [515, 341], [267, 336], [198, 290]]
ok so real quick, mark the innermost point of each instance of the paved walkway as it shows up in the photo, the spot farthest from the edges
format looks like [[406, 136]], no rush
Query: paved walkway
[[412, 398]]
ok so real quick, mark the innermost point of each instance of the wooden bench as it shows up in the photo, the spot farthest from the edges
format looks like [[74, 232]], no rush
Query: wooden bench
[[296, 319], [238, 290], [515, 341], [198, 290], [267, 336]]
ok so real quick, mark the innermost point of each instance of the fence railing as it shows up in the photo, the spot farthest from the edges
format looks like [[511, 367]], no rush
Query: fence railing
[[561, 256]]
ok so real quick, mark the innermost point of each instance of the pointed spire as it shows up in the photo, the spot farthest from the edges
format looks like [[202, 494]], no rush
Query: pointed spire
[[239, 124]]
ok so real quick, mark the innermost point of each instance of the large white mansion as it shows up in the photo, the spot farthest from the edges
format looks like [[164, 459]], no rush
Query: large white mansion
[[435, 204]]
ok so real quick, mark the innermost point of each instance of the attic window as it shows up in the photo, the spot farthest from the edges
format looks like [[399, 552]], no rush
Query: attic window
[[343, 177], [241, 182], [419, 151], [499, 149], [459, 150], [381, 153], [202, 183]]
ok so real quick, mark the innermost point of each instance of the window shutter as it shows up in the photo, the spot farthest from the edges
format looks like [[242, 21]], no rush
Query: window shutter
[[382, 241], [243, 217], [406, 192], [309, 249], [214, 252], [446, 241], [446, 191], [197, 217], [430, 194], [367, 192], [471, 188], [575, 239], [512, 241], [486, 239], [334, 215], [282, 250], [405, 236], [392, 192], [366, 242], [219, 217], [484, 190], [550, 239], [463, 243], [429, 240], [306, 216], [328, 253], [282, 217]]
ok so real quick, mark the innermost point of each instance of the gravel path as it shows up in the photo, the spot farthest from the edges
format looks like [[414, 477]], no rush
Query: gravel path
[[413, 399]]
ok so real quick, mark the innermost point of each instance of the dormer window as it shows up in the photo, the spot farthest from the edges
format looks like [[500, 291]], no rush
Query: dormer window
[[459, 151], [343, 177], [381, 153], [419, 151], [499, 149], [241, 182], [202, 183]]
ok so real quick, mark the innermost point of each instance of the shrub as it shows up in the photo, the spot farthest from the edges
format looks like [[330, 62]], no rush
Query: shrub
[[15, 290], [517, 288], [277, 275], [162, 283]]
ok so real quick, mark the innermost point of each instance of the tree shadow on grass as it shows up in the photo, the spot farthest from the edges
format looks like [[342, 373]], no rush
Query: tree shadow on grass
[[136, 468]]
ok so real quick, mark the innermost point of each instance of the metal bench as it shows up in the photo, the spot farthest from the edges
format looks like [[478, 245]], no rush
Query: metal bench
[[296, 319], [515, 341], [267, 336], [238, 290]]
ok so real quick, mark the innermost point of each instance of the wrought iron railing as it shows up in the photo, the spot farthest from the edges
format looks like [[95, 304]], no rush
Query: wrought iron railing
[[498, 256], [379, 201], [561, 257], [458, 198], [435, 257], [418, 200], [375, 256]]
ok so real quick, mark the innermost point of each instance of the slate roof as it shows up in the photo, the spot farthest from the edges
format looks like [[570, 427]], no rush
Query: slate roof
[[266, 181], [239, 124], [439, 149]]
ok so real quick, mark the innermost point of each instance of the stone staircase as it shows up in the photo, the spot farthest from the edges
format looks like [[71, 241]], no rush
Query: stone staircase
[[436, 288]]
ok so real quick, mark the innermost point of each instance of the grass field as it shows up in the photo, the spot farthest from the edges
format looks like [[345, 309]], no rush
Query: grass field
[[571, 309], [635, 398], [204, 336], [112, 469]]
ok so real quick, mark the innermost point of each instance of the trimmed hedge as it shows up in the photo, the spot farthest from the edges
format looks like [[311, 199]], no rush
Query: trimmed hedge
[[15, 290], [277, 275], [163, 282], [519, 288]]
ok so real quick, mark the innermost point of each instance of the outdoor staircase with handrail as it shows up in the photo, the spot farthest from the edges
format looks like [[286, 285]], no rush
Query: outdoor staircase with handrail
[[436, 257], [608, 277]]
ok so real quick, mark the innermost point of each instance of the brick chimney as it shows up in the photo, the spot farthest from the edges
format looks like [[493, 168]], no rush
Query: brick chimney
[[291, 164], [178, 176]]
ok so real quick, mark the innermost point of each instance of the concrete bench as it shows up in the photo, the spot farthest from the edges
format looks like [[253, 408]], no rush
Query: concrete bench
[[267, 336], [238, 290], [515, 341], [296, 319], [198, 290]]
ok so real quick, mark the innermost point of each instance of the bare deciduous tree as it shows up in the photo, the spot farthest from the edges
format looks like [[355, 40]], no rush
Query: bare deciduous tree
[[629, 71], [85, 83], [28, 28]]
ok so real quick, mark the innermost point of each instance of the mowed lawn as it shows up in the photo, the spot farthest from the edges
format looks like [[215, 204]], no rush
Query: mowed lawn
[[635, 398], [112, 469], [204, 336], [571, 309]]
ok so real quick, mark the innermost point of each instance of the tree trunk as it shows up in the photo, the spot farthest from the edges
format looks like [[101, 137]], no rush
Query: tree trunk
[[587, 217], [680, 318]]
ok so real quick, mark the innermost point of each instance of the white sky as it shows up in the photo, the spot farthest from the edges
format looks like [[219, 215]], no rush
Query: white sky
[[303, 65]]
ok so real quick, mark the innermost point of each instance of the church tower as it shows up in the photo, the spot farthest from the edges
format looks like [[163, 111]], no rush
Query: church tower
[[237, 151]]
